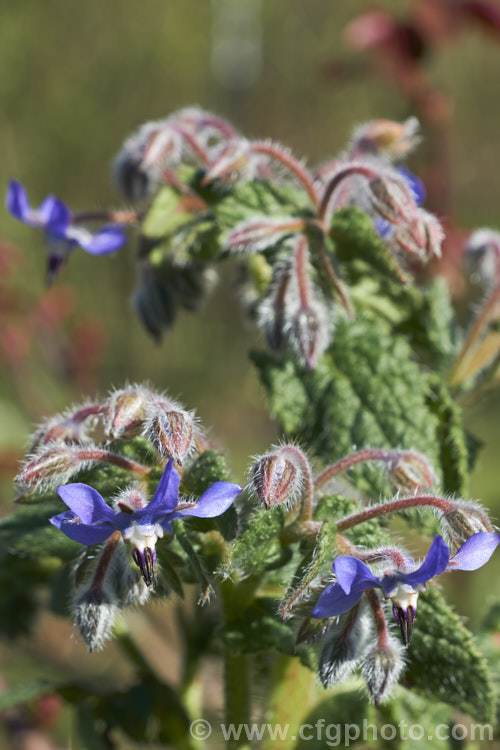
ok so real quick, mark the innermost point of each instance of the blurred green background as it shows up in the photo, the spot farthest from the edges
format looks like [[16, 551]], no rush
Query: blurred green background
[[77, 77]]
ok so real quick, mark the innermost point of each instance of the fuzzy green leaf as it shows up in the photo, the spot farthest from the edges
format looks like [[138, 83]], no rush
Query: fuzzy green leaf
[[251, 199], [444, 662], [28, 533]]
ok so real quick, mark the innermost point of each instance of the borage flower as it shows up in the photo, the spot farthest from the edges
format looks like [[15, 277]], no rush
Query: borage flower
[[402, 587], [55, 218], [90, 520]]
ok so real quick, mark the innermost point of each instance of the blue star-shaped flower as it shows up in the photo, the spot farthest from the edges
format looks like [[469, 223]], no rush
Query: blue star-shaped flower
[[90, 520], [55, 218], [354, 577]]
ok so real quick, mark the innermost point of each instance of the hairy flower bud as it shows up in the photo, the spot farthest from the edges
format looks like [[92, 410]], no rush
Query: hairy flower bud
[[386, 138], [51, 466], [171, 429], [462, 521], [381, 667], [94, 614], [412, 471], [392, 199], [309, 334], [421, 236], [343, 648], [232, 163], [126, 411], [278, 476]]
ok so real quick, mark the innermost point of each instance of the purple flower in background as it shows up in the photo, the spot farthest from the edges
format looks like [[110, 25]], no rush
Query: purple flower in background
[[55, 218], [90, 520], [354, 577]]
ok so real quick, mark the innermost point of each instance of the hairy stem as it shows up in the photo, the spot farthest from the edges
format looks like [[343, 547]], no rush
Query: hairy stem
[[392, 507], [98, 454], [294, 166]]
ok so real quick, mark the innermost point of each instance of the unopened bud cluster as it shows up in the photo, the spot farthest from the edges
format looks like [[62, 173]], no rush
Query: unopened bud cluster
[[90, 435], [297, 307]]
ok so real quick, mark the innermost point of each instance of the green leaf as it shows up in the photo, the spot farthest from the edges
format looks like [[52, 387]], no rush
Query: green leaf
[[258, 548], [355, 240], [28, 533], [365, 392], [444, 662], [208, 468], [261, 629], [259, 197]]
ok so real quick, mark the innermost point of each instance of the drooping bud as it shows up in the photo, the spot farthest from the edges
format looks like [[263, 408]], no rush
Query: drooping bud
[[94, 614], [55, 464], [462, 521], [309, 333], [392, 199], [381, 667], [71, 427], [412, 471], [386, 138], [271, 311], [278, 476], [171, 429], [421, 236], [343, 648], [131, 180], [232, 163], [126, 411], [259, 234]]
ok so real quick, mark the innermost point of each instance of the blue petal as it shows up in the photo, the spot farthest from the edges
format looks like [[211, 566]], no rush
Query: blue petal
[[475, 552], [334, 601], [166, 496], [83, 533], [86, 503], [16, 200], [57, 216], [435, 563], [101, 243], [351, 572], [214, 502]]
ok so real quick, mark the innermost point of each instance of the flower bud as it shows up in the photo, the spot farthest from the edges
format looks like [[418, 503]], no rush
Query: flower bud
[[231, 164], [421, 236], [386, 137], [172, 430], [52, 466], [94, 614], [381, 667], [309, 334], [462, 521], [278, 476], [392, 199], [61, 429], [126, 412], [343, 648], [412, 471]]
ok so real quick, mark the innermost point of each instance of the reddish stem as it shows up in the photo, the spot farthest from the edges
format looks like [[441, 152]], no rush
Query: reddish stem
[[294, 166], [97, 454], [104, 560], [301, 255], [335, 181], [393, 507], [118, 217], [336, 282], [379, 619]]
